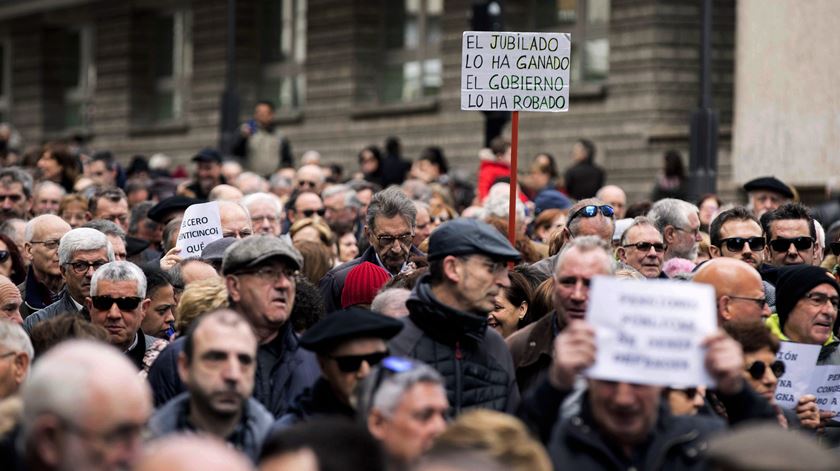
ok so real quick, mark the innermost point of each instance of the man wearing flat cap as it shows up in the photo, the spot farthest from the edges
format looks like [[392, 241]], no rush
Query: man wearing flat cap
[[766, 194], [259, 273], [447, 322], [349, 344]]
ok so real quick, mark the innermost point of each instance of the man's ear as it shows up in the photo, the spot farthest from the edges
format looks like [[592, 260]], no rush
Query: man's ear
[[723, 308], [232, 284], [715, 251], [21, 364], [377, 424], [668, 234], [183, 367], [89, 303], [450, 269], [48, 441], [621, 254], [144, 307]]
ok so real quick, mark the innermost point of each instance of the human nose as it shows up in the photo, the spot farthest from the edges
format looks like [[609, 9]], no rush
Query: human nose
[[765, 311], [114, 311], [624, 394], [580, 291], [232, 370], [169, 316], [364, 370]]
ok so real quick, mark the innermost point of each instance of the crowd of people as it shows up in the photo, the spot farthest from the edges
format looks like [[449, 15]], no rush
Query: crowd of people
[[382, 319]]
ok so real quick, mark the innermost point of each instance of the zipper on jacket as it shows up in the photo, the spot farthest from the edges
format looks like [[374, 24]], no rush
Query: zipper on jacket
[[458, 379]]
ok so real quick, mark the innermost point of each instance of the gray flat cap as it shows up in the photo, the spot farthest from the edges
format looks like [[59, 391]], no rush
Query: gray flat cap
[[215, 251], [254, 250], [469, 236]]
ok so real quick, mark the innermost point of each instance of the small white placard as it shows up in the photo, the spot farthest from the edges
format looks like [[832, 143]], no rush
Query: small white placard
[[200, 226], [799, 359]]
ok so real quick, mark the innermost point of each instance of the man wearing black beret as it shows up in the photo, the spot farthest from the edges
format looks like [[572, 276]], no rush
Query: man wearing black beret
[[447, 323], [348, 344], [766, 194]]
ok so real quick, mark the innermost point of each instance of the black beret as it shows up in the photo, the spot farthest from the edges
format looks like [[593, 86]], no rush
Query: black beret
[[174, 203], [348, 324], [770, 184], [208, 155], [465, 236]]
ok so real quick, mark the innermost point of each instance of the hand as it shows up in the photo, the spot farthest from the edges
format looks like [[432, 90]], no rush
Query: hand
[[808, 412], [245, 130], [170, 259], [574, 351], [724, 362]]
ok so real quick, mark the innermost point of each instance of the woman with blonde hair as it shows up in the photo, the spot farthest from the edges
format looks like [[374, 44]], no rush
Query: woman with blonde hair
[[199, 297], [312, 229]]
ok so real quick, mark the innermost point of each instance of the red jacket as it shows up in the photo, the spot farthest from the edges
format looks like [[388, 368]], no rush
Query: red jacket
[[488, 172]]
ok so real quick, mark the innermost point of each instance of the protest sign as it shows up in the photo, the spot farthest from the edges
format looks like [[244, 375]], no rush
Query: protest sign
[[650, 331], [508, 71], [200, 226], [825, 384], [799, 359]]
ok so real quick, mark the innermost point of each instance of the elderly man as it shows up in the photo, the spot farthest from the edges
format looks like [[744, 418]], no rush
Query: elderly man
[[423, 226], [766, 194], [236, 222], [641, 248], [142, 227], [532, 347], [791, 235], [259, 274], [16, 354], [110, 204], [10, 301], [15, 193], [117, 302], [448, 316], [80, 253], [225, 192], [341, 206], [348, 344], [615, 197], [43, 281], [679, 224], [217, 365], [266, 212], [304, 205], [190, 452], [310, 178], [84, 407], [391, 302], [114, 233], [739, 290], [389, 230], [46, 198], [404, 406]]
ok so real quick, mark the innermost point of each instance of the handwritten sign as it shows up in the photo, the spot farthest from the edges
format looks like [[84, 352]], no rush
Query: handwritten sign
[[200, 226], [650, 332], [799, 359], [825, 384], [504, 71]]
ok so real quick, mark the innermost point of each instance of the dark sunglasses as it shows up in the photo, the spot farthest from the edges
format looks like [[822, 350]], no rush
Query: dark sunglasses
[[758, 368], [104, 303], [645, 246], [309, 212], [735, 244], [690, 393], [782, 244], [352, 363], [591, 211], [4, 255], [835, 248]]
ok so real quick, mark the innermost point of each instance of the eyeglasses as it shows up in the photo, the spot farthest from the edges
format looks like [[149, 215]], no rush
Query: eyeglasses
[[591, 211], [309, 212], [736, 244], [758, 368], [690, 393], [645, 246], [818, 299], [82, 267], [308, 183], [104, 303], [783, 244], [48, 244], [760, 302], [272, 273], [387, 240], [494, 266], [835, 248], [4, 255], [388, 367], [352, 363], [14, 197]]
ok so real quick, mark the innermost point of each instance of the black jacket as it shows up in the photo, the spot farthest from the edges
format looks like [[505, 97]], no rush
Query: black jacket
[[583, 180], [64, 305], [36, 295], [474, 361], [317, 401]]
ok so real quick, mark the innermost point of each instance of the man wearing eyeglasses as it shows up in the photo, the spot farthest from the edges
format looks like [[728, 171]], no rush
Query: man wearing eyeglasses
[[304, 205], [234, 219], [641, 248], [80, 253], [739, 291], [790, 235], [310, 178], [43, 281], [679, 223]]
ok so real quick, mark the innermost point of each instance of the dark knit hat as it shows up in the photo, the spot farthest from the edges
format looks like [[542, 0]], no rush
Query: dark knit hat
[[794, 283], [362, 284]]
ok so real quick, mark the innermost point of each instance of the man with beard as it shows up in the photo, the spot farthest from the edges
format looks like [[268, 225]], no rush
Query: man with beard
[[217, 365], [736, 233], [679, 224], [208, 173], [43, 281], [766, 194]]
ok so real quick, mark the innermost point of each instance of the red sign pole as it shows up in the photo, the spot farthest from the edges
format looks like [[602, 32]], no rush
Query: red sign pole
[[514, 151]]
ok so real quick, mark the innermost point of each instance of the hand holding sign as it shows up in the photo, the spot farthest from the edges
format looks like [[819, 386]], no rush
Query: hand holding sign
[[201, 225], [724, 362], [808, 412], [574, 351]]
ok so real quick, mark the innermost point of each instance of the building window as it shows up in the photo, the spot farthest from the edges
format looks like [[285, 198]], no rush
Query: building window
[[282, 53], [70, 78], [412, 67], [5, 80], [588, 22]]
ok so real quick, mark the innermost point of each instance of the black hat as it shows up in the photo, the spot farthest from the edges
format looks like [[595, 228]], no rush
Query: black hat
[[469, 236], [770, 184], [161, 211], [208, 155], [794, 283], [134, 246], [348, 324]]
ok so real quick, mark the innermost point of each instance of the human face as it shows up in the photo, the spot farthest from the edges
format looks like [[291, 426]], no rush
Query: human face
[[766, 385], [114, 211], [344, 382], [422, 226], [708, 210], [99, 173], [78, 284], [43, 248], [13, 201], [151, 231], [762, 201], [265, 294], [598, 226], [683, 241], [686, 401], [811, 320], [235, 223], [13, 368], [263, 115], [5, 266], [220, 376], [337, 212], [367, 162], [505, 316], [119, 247], [49, 167], [160, 312], [208, 174], [478, 281], [394, 252], [648, 262], [122, 324], [412, 428], [310, 178], [615, 197], [75, 214], [47, 201], [626, 413], [745, 229], [264, 218], [746, 300], [571, 281], [789, 229], [308, 205], [10, 302], [347, 247]]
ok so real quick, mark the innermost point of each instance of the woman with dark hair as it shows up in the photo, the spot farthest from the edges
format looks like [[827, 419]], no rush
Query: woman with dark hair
[[57, 164], [709, 205], [370, 163], [431, 166], [511, 305], [542, 175], [670, 183], [11, 262]]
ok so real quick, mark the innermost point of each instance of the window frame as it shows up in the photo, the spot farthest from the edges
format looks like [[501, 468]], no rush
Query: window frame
[[286, 68]]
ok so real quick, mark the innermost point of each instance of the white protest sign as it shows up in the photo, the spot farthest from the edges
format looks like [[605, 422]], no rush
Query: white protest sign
[[505, 71], [650, 331], [825, 384], [200, 226], [799, 359]]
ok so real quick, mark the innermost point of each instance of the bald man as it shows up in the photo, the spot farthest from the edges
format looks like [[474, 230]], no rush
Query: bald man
[[236, 222], [738, 289], [615, 197], [10, 301], [188, 452], [225, 193]]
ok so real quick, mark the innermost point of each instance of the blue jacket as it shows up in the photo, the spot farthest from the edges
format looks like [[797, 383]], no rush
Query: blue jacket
[[64, 305]]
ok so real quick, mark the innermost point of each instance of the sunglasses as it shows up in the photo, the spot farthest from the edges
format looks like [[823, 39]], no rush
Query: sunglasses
[[591, 211], [645, 246], [310, 212], [758, 368], [302, 183], [690, 393], [352, 363], [782, 244], [104, 303], [4, 255], [735, 244], [835, 248]]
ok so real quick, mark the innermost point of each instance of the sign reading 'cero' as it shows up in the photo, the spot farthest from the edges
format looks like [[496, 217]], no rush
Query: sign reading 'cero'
[[515, 71], [200, 226]]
